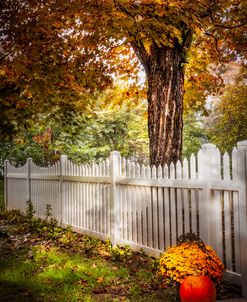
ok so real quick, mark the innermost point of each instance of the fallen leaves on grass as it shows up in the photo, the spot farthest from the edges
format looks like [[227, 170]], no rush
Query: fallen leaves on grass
[[100, 279], [82, 282]]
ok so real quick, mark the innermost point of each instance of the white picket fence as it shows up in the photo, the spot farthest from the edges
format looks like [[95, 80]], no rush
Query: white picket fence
[[146, 208]]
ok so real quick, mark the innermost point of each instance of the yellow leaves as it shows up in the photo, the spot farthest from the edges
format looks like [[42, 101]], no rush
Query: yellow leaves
[[19, 141], [189, 259], [57, 24], [2, 72], [147, 44]]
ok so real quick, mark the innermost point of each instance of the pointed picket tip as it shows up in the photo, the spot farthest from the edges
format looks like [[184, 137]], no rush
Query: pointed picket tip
[[225, 155], [178, 164], [226, 166], [137, 170], [185, 161], [193, 165], [160, 170], [166, 171], [178, 169], [235, 163], [147, 172], [142, 171], [185, 168], [107, 163], [96, 170], [137, 165], [172, 170], [234, 150], [153, 172], [85, 170], [123, 166], [103, 168], [124, 162], [192, 157]]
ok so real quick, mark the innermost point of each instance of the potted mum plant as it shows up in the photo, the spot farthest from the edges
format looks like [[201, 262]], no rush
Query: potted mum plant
[[194, 267]]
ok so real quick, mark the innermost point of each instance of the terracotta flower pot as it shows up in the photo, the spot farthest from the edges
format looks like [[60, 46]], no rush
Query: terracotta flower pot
[[197, 289]]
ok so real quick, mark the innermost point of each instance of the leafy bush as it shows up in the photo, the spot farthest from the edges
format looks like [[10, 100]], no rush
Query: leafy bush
[[119, 253]]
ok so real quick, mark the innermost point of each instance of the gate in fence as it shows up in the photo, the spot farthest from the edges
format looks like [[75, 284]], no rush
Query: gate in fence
[[146, 207]]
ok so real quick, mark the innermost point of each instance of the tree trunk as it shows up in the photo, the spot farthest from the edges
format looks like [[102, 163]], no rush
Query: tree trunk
[[165, 77]]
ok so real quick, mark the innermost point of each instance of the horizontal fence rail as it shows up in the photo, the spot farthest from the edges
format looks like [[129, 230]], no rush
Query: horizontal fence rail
[[146, 207]]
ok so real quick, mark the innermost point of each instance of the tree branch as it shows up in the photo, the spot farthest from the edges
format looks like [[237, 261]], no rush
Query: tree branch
[[231, 27], [6, 55], [216, 43], [135, 43], [188, 39], [141, 53]]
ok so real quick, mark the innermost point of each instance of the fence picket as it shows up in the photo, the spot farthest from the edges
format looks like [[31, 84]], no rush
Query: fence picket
[[216, 208], [133, 197], [144, 209], [148, 207], [167, 210], [185, 175], [193, 196], [179, 201], [173, 207], [160, 217], [227, 214]]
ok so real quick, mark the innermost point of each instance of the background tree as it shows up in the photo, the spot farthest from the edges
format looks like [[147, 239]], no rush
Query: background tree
[[228, 121], [117, 121], [194, 135]]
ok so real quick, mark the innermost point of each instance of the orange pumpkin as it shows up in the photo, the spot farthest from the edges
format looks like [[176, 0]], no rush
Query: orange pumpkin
[[197, 289]]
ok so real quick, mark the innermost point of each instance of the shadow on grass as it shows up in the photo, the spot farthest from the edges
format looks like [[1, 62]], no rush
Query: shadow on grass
[[15, 283], [16, 292]]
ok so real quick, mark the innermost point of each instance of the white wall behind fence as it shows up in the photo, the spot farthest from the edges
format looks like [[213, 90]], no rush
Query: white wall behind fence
[[146, 207]]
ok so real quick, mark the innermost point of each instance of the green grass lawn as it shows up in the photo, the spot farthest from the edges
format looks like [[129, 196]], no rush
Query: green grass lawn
[[48, 274], [1, 192], [40, 262]]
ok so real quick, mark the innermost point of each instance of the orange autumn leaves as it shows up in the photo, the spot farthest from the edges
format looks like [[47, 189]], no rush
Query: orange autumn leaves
[[190, 259]]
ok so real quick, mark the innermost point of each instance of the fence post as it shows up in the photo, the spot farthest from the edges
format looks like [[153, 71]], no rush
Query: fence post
[[242, 178], [6, 162], [60, 218], [115, 201], [29, 194], [208, 169]]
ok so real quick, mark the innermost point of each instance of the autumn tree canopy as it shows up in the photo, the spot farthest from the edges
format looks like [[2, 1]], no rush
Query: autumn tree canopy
[[55, 54]]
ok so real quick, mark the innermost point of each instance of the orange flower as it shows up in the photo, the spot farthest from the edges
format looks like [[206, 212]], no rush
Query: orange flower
[[189, 258]]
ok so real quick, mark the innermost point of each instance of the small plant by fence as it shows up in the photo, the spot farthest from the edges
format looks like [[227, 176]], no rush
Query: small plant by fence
[[146, 207], [1, 192]]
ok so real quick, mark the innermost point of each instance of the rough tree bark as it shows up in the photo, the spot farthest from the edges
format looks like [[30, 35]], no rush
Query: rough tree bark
[[165, 75], [165, 104]]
